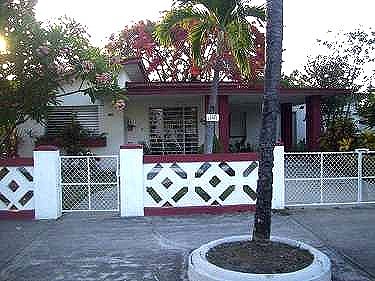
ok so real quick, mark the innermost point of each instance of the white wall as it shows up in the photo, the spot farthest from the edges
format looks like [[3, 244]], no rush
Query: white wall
[[111, 122]]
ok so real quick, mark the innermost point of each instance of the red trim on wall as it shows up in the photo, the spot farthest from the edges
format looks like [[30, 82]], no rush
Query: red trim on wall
[[17, 162], [225, 88], [88, 142], [131, 146], [224, 122], [216, 157], [313, 118], [168, 211], [46, 148], [287, 125], [17, 215]]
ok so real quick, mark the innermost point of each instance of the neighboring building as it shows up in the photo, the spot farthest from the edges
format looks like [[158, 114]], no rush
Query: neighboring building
[[168, 118]]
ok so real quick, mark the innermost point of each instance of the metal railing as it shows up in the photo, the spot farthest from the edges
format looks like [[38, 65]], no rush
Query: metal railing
[[321, 178], [89, 183]]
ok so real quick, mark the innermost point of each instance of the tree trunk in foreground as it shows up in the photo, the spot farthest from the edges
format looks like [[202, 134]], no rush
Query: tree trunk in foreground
[[274, 35]]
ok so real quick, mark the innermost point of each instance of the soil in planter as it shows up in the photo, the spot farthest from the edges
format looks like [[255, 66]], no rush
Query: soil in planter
[[252, 257]]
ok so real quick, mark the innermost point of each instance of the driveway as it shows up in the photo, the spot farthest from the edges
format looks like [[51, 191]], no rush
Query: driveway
[[106, 247]]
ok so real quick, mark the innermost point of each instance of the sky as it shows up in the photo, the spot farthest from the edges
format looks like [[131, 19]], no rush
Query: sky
[[304, 20]]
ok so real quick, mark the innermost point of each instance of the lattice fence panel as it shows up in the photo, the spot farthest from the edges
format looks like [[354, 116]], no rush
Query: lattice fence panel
[[89, 183], [16, 188], [368, 165], [75, 197], [340, 190], [302, 165], [200, 183], [302, 191], [340, 165], [329, 178], [368, 190]]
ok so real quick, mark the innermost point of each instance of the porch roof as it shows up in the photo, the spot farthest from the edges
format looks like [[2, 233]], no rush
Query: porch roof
[[225, 88]]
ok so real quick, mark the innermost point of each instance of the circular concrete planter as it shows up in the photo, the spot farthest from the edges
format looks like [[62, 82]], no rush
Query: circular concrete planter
[[201, 270]]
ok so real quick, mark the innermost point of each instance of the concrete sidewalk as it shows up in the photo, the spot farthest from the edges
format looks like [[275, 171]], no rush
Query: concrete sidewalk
[[106, 247]]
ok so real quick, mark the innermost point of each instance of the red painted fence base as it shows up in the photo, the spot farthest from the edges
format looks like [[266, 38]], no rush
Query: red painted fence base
[[17, 215], [168, 211]]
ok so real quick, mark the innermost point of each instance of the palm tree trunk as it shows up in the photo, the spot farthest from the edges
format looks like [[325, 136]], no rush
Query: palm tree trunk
[[212, 108], [212, 103], [274, 35]]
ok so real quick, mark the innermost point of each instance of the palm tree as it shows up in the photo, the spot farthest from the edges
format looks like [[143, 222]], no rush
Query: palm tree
[[274, 36], [227, 21]]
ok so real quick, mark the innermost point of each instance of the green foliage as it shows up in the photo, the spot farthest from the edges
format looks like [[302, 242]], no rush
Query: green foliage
[[300, 146], [340, 135], [71, 138], [205, 20], [367, 140], [346, 62], [366, 109], [242, 146], [39, 61]]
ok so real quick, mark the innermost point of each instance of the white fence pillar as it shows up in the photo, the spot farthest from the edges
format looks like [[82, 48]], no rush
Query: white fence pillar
[[360, 152], [131, 180], [278, 196], [47, 191]]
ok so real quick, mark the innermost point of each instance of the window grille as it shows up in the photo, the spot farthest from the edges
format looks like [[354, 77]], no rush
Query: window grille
[[61, 116], [174, 130]]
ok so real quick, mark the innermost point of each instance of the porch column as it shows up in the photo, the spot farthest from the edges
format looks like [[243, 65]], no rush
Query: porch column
[[313, 118], [286, 125], [224, 122]]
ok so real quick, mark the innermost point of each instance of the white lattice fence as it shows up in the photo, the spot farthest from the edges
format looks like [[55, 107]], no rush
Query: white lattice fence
[[16, 188], [89, 183], [368, 177], [200, 183], [329, 178]]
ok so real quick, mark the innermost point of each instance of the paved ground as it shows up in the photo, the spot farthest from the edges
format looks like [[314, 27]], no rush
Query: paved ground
[[105, 247]]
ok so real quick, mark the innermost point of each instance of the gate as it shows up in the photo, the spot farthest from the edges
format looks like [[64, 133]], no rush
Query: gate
[[89, 183], [320, 178]]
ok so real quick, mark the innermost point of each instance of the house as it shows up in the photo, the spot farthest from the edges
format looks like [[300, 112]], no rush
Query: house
[[169, 118]]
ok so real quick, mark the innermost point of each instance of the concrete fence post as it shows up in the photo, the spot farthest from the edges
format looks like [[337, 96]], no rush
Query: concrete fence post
[[131, 180], [47, 191], [278, 196], [360, 152]]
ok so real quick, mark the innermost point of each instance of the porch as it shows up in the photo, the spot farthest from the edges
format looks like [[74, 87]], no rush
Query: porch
[[169, 118]]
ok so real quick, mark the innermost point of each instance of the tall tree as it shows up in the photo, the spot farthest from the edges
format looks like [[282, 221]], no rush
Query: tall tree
[[38, 61], [272, 77], [344, 60], [174, 63], [223, 21]]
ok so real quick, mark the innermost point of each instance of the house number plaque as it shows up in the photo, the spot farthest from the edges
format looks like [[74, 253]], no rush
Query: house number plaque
[[212, 117]]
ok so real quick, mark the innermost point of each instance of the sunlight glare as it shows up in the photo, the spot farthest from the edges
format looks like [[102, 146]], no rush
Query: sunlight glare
[[3, 45]]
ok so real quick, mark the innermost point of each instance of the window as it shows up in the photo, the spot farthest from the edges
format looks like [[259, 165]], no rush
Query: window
[[173, 130], [60, 116], [237, 125]]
